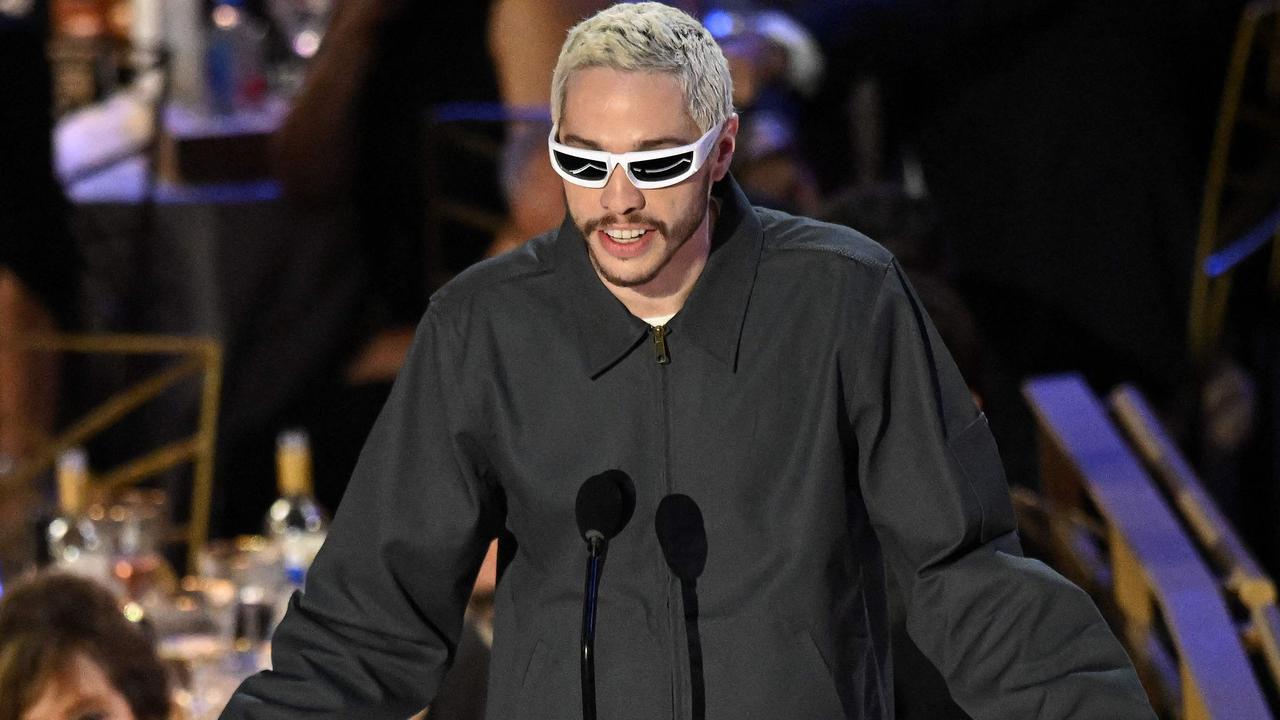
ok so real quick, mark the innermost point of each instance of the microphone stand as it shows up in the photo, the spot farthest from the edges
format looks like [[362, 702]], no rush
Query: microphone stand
[[595, 560], [604, 506]]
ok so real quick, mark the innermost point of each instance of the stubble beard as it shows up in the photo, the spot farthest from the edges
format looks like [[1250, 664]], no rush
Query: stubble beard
[[676, 236]]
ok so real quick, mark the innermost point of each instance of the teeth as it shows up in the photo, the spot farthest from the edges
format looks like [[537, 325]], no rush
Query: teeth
[[623, 235]]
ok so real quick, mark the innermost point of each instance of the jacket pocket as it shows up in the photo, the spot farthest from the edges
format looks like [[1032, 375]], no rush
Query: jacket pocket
[[974, 451], [767, 670]]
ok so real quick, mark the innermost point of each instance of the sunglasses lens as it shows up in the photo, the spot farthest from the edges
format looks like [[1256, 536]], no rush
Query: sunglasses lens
[[581, 168], [663, 168]]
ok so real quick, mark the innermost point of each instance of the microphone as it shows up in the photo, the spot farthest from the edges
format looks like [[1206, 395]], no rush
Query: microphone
[[683, 538], [682, 535], [604, 506]]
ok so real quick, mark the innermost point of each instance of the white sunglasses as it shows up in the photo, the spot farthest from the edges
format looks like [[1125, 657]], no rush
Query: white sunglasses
[[646, 169]]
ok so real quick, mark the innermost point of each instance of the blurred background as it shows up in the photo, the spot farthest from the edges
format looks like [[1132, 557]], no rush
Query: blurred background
[[221, 220]]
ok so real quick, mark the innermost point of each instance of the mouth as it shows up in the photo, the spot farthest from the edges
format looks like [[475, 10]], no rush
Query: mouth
[[626, 242], [624, 236]]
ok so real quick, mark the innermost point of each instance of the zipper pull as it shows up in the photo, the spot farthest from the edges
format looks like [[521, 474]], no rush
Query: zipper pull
[[660, 344]]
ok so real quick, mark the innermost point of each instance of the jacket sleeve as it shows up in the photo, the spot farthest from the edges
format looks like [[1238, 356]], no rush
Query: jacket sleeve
[[1012, 638], [378, 623]]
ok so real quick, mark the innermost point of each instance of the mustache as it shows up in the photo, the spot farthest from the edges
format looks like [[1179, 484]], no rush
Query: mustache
[[632, 219]]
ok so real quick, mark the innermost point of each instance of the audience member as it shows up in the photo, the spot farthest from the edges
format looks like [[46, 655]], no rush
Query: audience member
[[361, 259], [776, 68], [68, 653], [908, 227]]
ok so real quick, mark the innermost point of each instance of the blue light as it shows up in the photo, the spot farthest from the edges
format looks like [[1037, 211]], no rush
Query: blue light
[[719, 23], [1231, 255]]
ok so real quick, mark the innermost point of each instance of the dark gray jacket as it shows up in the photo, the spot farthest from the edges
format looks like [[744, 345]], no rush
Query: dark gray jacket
[[811, 413]]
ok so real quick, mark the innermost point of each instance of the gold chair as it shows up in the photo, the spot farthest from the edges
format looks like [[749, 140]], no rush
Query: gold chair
[[196, 357], [1243, 580], [1122, 542]]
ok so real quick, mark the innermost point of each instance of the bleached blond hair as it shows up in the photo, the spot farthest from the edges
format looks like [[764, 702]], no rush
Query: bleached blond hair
[[650, 37]]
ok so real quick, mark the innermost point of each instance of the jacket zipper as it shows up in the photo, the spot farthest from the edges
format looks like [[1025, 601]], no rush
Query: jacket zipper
[[673, 596], [660, 346]]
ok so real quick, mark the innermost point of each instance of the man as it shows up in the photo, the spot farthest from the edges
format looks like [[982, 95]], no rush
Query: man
[[774, 370]]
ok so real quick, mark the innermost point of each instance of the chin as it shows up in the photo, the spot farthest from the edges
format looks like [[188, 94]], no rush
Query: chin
[[624, 274]]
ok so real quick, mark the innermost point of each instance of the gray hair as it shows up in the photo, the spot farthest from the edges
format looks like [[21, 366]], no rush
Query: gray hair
[[650, 37]]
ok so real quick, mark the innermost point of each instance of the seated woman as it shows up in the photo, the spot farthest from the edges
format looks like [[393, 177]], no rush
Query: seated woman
[[67, 653]]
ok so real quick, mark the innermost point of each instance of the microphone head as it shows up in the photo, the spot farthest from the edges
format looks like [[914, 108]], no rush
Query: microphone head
[[605, 504], [682, 535]]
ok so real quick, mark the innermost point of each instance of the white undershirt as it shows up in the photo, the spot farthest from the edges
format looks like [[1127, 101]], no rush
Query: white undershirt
[[659, 320]]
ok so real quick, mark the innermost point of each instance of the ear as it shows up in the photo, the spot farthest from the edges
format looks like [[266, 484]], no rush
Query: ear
[[722, 155]]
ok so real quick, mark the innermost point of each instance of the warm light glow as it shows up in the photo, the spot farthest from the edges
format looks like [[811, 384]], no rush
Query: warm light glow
[[225, 16], [133, 612], [124, 570]]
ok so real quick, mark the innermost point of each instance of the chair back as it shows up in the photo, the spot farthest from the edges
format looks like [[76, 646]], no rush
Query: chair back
[[1130, 548]]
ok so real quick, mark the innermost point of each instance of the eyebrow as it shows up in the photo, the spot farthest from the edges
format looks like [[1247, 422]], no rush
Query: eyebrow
[[644, 145]]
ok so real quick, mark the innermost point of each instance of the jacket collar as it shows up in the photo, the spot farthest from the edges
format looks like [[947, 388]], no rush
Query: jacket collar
[[713, 315]]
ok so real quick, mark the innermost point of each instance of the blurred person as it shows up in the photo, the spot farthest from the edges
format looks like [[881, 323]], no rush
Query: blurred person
[[774, 171], [1064, 145], [68, 653], [908, 228], [360, 259], [776, 68], [39, 268], [776, 372], [906, 225], [28, 406]]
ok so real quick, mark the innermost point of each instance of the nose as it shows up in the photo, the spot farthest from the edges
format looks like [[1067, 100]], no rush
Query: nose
[[620, 197]]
